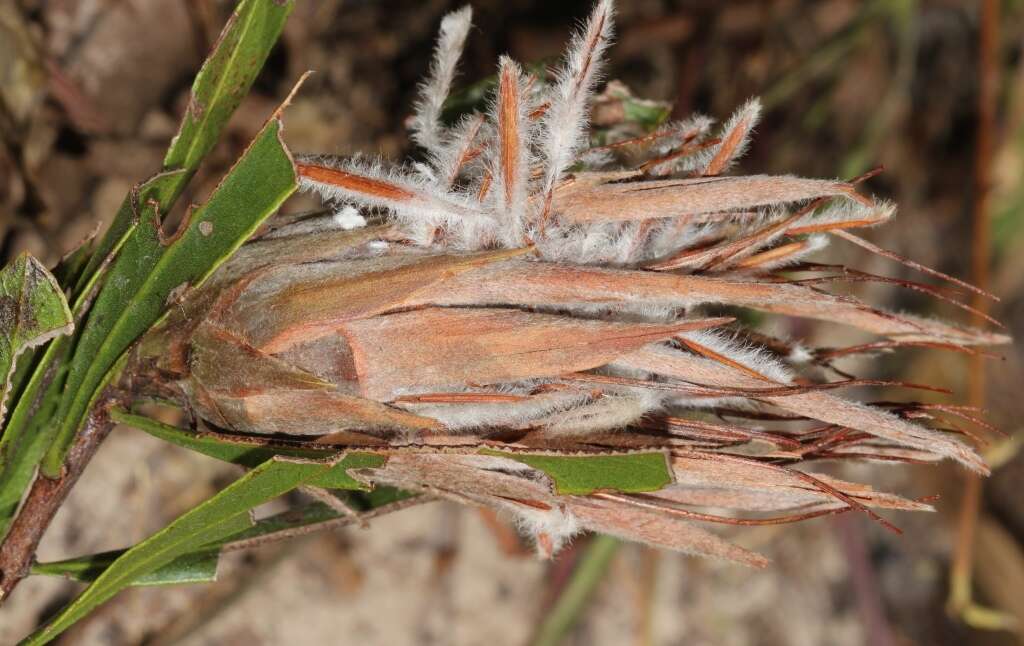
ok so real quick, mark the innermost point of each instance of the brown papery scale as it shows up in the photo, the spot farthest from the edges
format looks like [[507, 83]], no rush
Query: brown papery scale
[[535, 283]]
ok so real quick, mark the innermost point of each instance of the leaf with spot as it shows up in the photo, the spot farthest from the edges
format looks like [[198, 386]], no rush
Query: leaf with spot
[[148, 271], [219, 87], [224, 80]]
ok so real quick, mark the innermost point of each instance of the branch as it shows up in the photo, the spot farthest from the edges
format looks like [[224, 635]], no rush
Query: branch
[[44, 499]]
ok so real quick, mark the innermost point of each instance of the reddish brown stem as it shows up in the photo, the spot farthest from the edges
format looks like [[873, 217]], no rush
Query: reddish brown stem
[[44, 499]]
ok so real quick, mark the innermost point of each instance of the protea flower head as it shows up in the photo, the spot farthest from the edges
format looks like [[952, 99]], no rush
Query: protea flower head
[[525, 289]]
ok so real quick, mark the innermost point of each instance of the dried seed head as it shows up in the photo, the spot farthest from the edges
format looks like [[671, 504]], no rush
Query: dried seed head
[[512, 303]]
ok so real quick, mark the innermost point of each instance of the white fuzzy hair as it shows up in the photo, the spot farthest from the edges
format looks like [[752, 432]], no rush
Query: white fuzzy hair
[[427, 209], [459, 418], [426, 126], [556, 524], [508, 196], [742, 122], [753, 357], [566, 121], [879, 212]]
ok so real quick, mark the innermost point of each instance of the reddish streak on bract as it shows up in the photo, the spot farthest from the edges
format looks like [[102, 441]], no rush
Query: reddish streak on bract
[[461, 398], [705, 351], [508, 128], [724, 154], [354, 182], [773, 254]]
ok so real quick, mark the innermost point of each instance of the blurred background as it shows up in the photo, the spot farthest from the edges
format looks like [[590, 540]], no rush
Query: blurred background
[[92, 90]]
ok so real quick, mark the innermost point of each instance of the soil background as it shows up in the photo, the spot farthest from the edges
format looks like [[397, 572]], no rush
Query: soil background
[[92, 91]]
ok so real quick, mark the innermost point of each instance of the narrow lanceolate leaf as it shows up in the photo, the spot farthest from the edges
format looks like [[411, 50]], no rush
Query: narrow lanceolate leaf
[[628, 472], [222, 83], [148, 271], [195, 567], [29, 433], [224, 80], [32, 311], [201, 566], [225, 514], [236, 449]]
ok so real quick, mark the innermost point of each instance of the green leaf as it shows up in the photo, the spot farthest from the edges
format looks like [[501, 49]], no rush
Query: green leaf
[[223, 515], [201, 566], [23, 442], [312, 514], [572, 474], [226, 76], [29, 431], [248, 452], [221, 84], [308, 517], [146, 273], [338, 477], [224, 80], [194, 567], [585, 474], [28, 434], [32, 311]]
